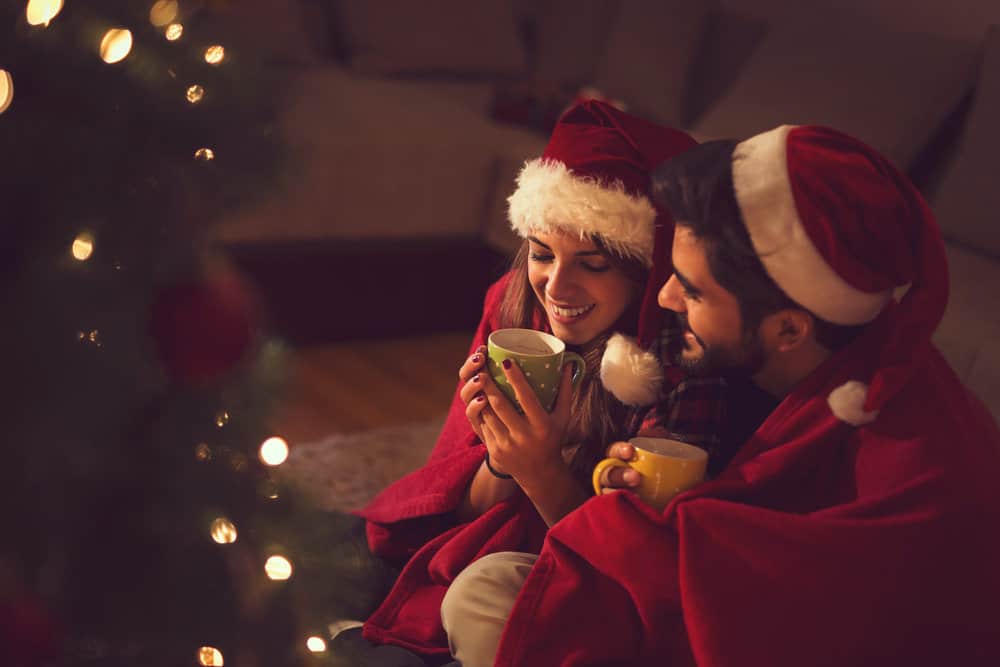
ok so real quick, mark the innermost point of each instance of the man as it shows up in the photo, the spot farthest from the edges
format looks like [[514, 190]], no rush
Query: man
[[857, 525]]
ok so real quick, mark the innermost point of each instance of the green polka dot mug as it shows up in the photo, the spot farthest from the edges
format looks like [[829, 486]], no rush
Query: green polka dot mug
[[539, 355]]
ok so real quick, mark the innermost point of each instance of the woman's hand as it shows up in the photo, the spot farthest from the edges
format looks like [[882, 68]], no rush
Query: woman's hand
[[527, 446], [475, 364], [617, 478]]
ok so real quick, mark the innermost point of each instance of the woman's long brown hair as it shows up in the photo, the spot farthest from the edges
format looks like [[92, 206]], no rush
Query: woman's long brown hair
[[598, 418]]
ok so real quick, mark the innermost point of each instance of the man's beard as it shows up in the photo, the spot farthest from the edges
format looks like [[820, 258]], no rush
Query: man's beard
[[743, 360]]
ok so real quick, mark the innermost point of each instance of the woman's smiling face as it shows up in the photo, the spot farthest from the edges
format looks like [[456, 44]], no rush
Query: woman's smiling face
[[582, 292]]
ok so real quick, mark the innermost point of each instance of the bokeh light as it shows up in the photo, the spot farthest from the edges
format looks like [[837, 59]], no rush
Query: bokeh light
[[215, 54], [40, 12], [209, 656], [316, 644], [83, 246], [202, 452], [195, 93], [221, 419], [204, 154], [173, 32], [116, 45], [223, 531], [274, 451], [6, 90], [163, 12], [278, 568]]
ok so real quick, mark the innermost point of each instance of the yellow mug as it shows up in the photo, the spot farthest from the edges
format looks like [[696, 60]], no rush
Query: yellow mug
[[667, 467]]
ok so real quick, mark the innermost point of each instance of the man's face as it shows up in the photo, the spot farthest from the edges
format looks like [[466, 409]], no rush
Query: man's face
[[715, 339]]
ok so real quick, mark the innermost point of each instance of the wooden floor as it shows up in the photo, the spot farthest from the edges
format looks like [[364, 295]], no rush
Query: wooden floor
[[357, 386]]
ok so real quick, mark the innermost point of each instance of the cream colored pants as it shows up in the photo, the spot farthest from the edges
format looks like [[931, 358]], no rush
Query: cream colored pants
[[478, 602]]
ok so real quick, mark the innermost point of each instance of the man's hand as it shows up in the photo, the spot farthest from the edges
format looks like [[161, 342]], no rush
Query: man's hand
[[617, 478]]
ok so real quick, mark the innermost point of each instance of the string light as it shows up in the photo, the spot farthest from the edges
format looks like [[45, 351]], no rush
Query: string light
[[162, 12], [274, 451], [6, 90], [223, 531], [83, 246], [116, 45], [173, 32], [204, 154], [202, 452], [93, 337], [221, 419], [41, 12], [316, 644], [209, 656], [278, 568], [195, 93], [215, 54]]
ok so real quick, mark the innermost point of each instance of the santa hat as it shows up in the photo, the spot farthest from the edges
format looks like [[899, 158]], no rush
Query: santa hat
[[593, 180], [839, 228]]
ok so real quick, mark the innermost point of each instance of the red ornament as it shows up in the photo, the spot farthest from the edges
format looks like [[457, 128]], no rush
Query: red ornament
[[203, 328]]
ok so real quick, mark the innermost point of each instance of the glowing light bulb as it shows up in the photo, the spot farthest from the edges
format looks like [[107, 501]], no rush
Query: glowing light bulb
[[278, 568], [223, 531], [6, 90], [40, 12], [274, 451], [215, 54], [195, 93], [204, 154], [173, 32], [209, 656], [316, 644], [162, 12], [83, 246], [221, 419], [116, 45]]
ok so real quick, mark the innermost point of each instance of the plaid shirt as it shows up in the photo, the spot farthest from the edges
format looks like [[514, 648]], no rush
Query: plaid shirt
[[699, 410]]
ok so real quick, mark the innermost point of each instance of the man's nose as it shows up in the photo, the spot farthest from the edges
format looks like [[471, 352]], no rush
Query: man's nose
[[670, 295]]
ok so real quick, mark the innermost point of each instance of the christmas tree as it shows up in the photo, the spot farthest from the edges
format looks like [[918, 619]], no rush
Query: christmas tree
[[142, 519]]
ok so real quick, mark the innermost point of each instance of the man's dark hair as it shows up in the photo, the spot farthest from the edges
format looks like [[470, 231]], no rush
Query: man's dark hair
[[697, 188]]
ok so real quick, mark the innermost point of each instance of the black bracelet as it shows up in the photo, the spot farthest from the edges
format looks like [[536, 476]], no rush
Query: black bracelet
[[494, 471]]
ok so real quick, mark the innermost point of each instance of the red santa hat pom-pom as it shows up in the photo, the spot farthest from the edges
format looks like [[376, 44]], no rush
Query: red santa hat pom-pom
[[203, 327]]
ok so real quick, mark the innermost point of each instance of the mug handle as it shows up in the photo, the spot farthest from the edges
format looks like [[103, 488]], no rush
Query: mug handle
[[581, 366], [599, 469]]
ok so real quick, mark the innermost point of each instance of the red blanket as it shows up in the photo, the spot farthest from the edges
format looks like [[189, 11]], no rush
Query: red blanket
[[821, 544], [413, 522]]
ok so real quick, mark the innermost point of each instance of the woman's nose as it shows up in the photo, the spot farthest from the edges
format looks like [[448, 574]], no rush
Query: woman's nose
[[560, 282], [670, 295]]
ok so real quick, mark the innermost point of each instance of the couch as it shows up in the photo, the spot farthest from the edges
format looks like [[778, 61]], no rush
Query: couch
[[405, 123]]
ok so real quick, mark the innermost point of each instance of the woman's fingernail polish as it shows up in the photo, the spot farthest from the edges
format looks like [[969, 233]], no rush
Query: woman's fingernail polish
[[506, 363], [476, 358], [475, 378], [480, 397]]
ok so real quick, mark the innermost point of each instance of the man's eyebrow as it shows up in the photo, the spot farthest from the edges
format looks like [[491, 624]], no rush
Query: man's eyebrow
[[582, 253], [682, 279]]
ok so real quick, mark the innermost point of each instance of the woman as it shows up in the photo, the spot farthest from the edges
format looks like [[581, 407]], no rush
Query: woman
[[594, 255]]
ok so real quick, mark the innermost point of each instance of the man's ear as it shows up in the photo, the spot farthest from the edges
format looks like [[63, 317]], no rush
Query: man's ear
[[790, 328]]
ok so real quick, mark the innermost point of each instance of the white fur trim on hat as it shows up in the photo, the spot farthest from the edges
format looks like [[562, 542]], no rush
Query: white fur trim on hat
[[848, 403], [632, 374], [551, 198], [764, 193]]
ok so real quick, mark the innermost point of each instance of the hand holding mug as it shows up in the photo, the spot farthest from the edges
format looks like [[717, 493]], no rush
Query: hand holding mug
[[666, 467]]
